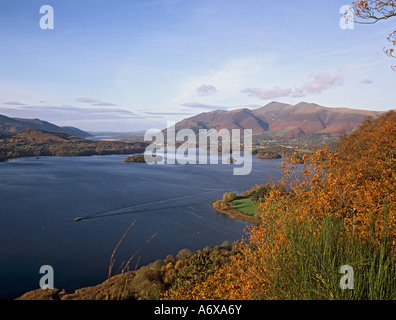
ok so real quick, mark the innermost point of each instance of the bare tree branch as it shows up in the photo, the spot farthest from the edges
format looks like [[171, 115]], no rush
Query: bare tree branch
[[375, 11]]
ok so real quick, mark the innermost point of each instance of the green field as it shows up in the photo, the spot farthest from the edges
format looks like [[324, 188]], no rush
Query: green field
[[245, 206]]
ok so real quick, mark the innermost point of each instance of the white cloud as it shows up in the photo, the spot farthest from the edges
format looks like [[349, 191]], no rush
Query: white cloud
[[104, 104], [95, 102], [206, 90], [14, 103], [201, 106], [197, 105], [227, 80], [87, 100], [268, 94], [63, 113], [167, 113], [318, 83], [322, 81]]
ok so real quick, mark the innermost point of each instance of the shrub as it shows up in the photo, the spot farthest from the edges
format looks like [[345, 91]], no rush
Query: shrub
[[183, 254], [339, 209]]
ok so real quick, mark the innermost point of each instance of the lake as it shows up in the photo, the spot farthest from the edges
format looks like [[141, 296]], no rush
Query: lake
[[40, 198]]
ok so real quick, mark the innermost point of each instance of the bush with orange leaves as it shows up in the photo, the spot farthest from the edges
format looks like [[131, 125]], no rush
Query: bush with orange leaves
[[340, 208], [234, 280], [357, 183]]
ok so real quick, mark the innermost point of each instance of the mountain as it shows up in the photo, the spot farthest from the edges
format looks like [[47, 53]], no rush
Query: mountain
[[282, 120], [220, 119], [11, 125], [305, 119]]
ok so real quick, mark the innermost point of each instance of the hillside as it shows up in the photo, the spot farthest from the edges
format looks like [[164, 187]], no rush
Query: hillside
[[220, 119], [31, 142], [344, 212], [282, 120], [11, 125], [335, 212]]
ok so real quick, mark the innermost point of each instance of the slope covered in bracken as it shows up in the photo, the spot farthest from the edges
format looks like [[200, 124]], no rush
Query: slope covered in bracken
[[338, 209]]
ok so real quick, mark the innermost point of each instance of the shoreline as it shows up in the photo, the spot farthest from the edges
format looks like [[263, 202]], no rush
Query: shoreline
[[234, 214], [99, 290]]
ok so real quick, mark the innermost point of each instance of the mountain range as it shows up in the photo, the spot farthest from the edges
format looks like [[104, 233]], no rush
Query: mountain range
[[274, 119], [282, 120], [12, 125]]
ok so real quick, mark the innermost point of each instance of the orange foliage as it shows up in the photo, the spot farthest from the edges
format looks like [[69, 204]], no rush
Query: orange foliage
[[236, 280], [356, 184]]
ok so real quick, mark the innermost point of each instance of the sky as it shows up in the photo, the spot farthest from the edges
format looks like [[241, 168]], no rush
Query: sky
[[130, 65]]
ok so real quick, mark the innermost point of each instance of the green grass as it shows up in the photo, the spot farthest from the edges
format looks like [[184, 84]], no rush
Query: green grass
[[245, 206], [310, 269]]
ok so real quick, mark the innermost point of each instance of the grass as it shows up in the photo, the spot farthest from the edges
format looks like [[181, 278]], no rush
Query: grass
[[245, 206], [310, 268]]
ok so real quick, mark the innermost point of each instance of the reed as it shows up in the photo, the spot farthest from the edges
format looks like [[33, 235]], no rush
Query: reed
[[309, 268]]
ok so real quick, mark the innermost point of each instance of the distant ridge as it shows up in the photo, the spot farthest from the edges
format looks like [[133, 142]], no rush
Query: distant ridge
[[282, 120], [11, 125]]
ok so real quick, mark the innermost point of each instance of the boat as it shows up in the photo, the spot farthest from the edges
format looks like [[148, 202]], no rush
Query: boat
[[77, 219]]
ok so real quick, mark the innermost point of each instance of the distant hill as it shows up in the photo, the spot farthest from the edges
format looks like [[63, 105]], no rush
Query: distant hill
[[221, 119], [12, 125], [282, 120], [35, 143]]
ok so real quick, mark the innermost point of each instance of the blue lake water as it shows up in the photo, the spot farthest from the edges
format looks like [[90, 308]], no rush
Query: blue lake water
[[39, 199]]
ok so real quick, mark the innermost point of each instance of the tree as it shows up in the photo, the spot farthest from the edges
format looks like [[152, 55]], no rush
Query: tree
[[373, 11], [228, 197]]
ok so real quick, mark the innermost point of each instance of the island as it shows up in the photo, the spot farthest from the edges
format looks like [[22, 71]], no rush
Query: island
[[139, 158], [135, 158], [230, 160], [268, 155]]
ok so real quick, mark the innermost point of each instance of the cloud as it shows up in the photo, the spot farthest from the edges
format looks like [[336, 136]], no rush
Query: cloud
[[318, 83], [66, 113], [366, 81], [196, 105], [222, 83], [104, 104], [206, 90], [96, 102], [15, 103], [87, 100], [268, 94], [168, 113]]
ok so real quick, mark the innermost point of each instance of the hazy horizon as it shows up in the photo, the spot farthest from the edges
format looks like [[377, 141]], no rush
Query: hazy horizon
[[133, 65]]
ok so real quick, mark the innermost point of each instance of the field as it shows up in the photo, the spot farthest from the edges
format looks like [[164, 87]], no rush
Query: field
[[245, 206]]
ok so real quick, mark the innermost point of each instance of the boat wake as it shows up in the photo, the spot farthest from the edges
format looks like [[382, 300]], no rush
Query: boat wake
[[146, 207]]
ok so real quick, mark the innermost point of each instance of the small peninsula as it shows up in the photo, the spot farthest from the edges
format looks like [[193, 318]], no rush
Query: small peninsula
[[139, 158]]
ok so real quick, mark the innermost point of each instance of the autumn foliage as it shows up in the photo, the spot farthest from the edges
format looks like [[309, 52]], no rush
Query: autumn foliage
[[339, 208]]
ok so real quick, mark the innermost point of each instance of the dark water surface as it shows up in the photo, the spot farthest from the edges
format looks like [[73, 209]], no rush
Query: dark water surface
[[39, 199]]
